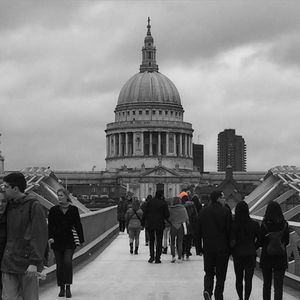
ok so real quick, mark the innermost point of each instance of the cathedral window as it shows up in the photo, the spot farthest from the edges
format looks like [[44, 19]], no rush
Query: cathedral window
[[133, 112], [140, 112], [147, 112], [128, 113], [166, 112], [160, 112], [171, 113], [153, 112]]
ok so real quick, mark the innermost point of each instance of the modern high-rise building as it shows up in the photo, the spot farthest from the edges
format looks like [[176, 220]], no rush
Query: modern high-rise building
[[231, 151]]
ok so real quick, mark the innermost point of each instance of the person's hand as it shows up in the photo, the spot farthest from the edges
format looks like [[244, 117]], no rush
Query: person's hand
[[50, 242], [31, 271]]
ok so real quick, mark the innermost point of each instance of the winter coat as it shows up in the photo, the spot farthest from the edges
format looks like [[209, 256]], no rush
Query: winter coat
[[156, 212], [214, 228], [3, 233], [121, 210], [245, 240], [192, 213], [178, 215], [278, 262], [60, 227], [134, 220], [26, 235]]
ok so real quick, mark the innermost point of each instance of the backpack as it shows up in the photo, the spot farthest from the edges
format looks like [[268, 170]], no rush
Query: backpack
[[275, 245]]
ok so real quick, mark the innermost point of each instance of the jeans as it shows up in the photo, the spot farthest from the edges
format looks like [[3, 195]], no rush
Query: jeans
[[278, 283], [155, 235], [19, 286], [244, 269], [134, 235], [215, 264], [166, 236], [176, 237], [64, 267]]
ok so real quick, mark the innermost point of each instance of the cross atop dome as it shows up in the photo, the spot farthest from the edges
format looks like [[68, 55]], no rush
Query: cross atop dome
[[149, 53]]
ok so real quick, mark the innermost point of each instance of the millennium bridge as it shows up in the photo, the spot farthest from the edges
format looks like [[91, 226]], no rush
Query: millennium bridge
[[104, 269]]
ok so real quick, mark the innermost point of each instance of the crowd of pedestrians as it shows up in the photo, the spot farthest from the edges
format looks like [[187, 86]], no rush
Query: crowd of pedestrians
[[180, 222], [216, 233]]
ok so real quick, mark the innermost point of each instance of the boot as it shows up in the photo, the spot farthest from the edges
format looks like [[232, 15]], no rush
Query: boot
[[62, 291], [131, 248], [165, 250], [136, 250], [68, 291]]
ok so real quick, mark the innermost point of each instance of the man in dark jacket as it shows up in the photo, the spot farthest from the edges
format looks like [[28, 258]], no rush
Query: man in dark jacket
[[214, 227], [155, 213], [27, 236]]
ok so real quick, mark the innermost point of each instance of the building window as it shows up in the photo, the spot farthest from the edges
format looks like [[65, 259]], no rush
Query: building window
[[147, 112], [123, 113], [133, 112], [176, 114], [166, 112], [153, 112], [171, 113], [140, 112], [160, 112], [128, 113]]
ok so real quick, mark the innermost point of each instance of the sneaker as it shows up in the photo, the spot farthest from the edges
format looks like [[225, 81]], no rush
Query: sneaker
[[151, 260], [173, 259], [179, 260], [206, 295], [157, 261]]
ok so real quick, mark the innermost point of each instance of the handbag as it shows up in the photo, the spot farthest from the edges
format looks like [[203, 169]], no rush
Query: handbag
[[75, 237]]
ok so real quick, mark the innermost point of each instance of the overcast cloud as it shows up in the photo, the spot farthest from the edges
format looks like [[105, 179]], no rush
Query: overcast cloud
[[236, 64]]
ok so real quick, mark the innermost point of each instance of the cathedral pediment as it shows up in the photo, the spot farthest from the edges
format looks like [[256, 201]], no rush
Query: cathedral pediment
[[160, 171]]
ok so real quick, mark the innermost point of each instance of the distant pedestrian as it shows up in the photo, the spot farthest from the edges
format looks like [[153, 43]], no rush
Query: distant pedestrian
[[143, 207], [191, 226], [3, 230], [245, 241], [214, 229], [121, 211], [26, 241], [166, 233], [274, 231], [63, 221], [178, 216], [156, 212], [134, 221]]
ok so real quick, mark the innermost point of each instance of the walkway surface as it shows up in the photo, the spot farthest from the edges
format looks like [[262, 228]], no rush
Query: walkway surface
[[117, 275]]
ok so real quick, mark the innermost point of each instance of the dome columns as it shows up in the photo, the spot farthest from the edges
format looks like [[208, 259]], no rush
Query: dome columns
[[149, 143]]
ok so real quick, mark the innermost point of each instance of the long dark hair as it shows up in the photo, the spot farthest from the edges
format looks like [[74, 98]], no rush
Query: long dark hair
[[273, 213], [241, 218]]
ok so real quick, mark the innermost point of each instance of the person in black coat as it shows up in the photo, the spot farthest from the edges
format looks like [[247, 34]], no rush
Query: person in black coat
[[62, 219], [213, 230], [3, 230], [273, 265], [245, 241], [156, 211]]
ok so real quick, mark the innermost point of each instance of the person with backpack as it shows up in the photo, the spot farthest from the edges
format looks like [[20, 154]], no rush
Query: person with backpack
[[121, 211], [274, 237], [134, 222], [244, 243]]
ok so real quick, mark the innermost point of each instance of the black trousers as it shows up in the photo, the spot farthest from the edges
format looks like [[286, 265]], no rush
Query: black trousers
[[215, 264], [278, 283], [244, 269], [187, 244], [64, 267], [122, 226], [155, 236]]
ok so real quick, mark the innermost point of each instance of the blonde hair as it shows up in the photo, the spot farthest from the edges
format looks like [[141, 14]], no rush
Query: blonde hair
[[66, 193]]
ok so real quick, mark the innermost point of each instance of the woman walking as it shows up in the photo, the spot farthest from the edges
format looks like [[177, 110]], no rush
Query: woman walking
[[178, 216], [63, 219], [274, 231], [245, 236], [133, 219]]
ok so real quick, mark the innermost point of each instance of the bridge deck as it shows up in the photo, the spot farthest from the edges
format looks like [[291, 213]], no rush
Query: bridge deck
[[117, 275]]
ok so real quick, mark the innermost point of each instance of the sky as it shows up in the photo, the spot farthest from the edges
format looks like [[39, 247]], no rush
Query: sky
[[236, 64]]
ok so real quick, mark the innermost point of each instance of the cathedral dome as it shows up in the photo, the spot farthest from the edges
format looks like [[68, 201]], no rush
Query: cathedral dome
[[149, 87]]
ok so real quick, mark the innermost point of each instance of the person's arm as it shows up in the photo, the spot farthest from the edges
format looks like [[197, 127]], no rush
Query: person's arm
[[38, 237], [286, 235], [78, 226]]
